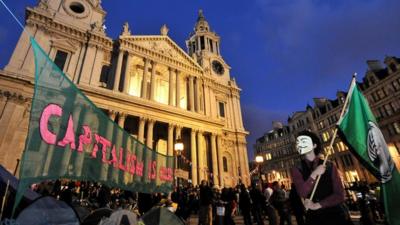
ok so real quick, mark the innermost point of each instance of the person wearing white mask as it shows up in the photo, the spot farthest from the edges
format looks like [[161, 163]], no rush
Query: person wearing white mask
[[326, 207]]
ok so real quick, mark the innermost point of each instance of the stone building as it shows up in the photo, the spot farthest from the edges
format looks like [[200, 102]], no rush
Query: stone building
[[381, 86], [147, 84]]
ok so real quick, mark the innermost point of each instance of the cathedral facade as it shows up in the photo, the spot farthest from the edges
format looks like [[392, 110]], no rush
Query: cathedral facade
[[150, 86]]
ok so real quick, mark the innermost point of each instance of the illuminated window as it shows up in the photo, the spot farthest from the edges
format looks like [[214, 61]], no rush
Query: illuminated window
[[325, 136], [321, 125], [396, 126], [352, 176]]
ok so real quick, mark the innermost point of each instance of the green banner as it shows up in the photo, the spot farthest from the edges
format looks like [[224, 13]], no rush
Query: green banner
[[69, 137], [359, 129]]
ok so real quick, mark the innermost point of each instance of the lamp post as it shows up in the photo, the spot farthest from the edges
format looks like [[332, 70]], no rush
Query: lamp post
[[259, 161], [178, 147]]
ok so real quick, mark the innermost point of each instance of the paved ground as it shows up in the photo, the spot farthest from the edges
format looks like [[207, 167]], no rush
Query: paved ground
[[239, 220]]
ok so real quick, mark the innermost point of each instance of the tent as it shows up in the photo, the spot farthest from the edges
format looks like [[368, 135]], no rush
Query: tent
[[161, 216], [28, 196], [48, 211], [120, 217], [7, 176], [96, 216]]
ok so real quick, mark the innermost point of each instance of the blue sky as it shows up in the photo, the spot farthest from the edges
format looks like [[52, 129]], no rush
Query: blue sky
[[282, 52]]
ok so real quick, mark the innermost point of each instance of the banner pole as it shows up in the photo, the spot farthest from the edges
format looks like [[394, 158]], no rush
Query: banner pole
[[16, 167], [4, 199], [353, 82]]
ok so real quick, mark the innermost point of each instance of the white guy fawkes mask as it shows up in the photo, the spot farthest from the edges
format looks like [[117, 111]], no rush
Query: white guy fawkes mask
[[304, 144]]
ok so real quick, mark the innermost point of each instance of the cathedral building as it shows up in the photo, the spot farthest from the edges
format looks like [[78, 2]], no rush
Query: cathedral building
[[148, 84]]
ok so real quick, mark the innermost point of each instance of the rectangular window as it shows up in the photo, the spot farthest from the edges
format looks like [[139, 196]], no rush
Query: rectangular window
[[375, 97], [396, 126], [202, 43], [61, 59], [350, 160], [211, 45], [391, 130], [343, 162], [225, 164], [221, 106], [104, 73], [388, 109], [382, 112], [381, 94], [395, 105]]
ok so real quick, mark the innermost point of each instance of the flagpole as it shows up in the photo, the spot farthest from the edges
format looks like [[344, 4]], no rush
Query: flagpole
[[353, 81]]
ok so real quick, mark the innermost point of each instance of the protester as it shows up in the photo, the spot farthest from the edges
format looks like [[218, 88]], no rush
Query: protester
[[245, 204], [268, 207], [326, 205], [228, 197], [278, 200], [206, 198], [258, 201]]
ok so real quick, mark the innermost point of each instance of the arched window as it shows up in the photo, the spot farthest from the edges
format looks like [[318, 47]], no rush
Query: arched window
[[225, 163]]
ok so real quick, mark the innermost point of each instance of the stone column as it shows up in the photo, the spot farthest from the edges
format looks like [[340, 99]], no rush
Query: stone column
[[149, 138], [170, 148], [200, 156], [127, 80], [220, 161], [142, 122], [207, 102], [144, 80], [117, 74], [241, 160], [240, 113], [246, 164], [191, 93], [112, 114], [194, 157], [214, 159], [171, 88], [178, 89], [153, 81], [197, 94], [121, 120], [236, 112]]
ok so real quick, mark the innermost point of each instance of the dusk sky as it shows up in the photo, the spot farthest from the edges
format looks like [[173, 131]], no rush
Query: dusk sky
[[282, 52]]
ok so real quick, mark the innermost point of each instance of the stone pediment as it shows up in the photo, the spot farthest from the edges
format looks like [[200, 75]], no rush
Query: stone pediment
[[164, 46], [64, 43]]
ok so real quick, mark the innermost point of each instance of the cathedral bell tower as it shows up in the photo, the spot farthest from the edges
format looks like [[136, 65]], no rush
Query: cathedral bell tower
[[204, 46]]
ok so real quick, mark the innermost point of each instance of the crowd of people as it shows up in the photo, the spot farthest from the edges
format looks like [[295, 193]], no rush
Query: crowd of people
[[213, 205], [256, 203]]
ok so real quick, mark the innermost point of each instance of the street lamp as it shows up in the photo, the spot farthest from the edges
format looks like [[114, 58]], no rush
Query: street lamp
[[178, 147], [259, 161]]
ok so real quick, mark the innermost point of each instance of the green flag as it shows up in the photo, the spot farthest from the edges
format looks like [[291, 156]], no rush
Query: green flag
[[359, 129], [69, 137]]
